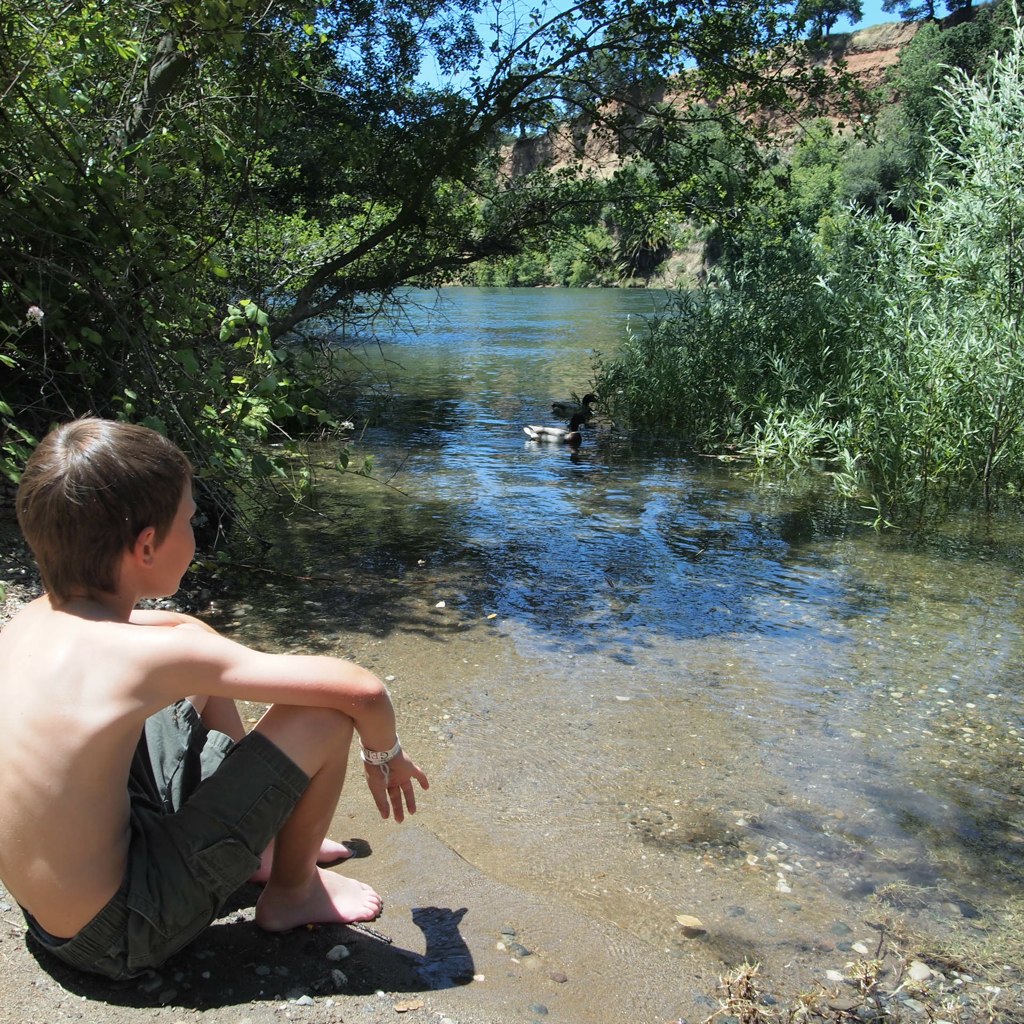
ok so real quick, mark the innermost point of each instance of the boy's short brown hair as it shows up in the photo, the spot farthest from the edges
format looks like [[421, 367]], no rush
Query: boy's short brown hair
[[87, 492]]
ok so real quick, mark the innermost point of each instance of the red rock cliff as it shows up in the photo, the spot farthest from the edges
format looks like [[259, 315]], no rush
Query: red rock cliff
[[868, 55]]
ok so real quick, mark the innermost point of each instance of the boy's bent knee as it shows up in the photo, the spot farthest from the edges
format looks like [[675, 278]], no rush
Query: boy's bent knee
[[309, 736]]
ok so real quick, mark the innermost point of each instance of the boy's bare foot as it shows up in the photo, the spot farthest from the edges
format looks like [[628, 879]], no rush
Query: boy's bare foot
[[330, 853], [329, 898]]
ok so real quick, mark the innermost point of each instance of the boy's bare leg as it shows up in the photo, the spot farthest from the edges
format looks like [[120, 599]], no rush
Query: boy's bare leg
[[221, 714], [299, 891]]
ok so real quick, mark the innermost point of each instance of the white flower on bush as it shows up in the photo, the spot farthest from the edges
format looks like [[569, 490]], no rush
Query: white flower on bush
[[34, 315]]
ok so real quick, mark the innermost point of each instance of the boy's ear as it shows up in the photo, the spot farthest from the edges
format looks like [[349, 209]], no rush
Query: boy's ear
[[145, 546]]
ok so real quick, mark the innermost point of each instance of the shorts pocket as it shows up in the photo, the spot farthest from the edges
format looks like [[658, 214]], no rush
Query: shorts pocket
[[154, 936], [169, 901], [223, 866]]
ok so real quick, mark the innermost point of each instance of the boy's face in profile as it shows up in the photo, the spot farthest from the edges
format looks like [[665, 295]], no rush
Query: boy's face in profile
[[174, 554]]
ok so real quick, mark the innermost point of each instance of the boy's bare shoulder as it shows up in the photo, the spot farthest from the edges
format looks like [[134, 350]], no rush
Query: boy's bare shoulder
[[60, 649], [156, 658], [35, 620], [43, 632]]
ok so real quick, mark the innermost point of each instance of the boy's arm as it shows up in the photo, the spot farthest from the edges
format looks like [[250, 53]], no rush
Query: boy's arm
[[185, 661]]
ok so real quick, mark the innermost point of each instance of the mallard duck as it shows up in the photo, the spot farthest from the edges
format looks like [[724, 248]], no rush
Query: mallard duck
[[570, 408], [558, 435]]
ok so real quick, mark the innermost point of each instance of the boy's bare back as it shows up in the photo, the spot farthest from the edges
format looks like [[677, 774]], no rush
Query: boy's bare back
[[71, 711]]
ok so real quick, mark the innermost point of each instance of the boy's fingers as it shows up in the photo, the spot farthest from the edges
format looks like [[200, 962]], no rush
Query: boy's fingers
[[403, 798], [410, 797], [396, 804], [380, 796], [394, 797]]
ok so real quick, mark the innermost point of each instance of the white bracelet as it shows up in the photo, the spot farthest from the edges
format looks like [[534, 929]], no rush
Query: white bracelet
[[381, 757]]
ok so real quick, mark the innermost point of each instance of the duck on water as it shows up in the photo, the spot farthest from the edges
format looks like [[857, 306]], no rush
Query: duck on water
[[558, 435], [572, 408]]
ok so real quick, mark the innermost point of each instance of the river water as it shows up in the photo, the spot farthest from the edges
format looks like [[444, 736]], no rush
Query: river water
[[646, 681]]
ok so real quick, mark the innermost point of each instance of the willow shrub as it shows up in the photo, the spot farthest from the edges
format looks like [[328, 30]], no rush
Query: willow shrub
[[895, 352], [725, 362], [931, 310], [122, 173]]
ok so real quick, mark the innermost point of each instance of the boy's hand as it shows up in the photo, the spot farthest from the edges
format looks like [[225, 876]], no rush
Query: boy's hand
[[393, 790]]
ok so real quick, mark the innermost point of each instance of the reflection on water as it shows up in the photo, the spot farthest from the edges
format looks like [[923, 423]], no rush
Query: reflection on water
[[665, 683]]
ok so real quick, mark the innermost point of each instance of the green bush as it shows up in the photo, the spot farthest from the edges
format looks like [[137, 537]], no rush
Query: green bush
[[893, 350]]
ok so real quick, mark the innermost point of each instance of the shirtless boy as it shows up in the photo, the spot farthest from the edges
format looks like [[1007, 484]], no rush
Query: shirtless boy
[[132, 803]]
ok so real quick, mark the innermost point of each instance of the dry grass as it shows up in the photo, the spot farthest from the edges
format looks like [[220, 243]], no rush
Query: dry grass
[[970, 983]]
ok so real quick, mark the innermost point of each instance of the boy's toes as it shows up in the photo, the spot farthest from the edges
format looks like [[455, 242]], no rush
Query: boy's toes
[[372, 906]]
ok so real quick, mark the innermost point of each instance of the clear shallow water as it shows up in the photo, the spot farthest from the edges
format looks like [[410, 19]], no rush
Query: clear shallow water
[[667, 686]]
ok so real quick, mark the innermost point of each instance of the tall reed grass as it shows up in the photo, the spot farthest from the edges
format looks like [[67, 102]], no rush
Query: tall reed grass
[[893, 351]]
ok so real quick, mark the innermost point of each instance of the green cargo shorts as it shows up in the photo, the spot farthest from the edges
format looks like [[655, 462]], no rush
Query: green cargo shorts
[[203, 809]]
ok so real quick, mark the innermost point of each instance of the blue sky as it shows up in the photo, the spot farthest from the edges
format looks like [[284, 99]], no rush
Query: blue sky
[[873, 15]]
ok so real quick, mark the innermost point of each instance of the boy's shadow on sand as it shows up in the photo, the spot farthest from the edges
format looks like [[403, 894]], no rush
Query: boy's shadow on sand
[[235, 962]]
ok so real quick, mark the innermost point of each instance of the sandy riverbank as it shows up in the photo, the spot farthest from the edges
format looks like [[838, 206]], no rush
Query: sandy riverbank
[[470, 937], [452, 945]]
